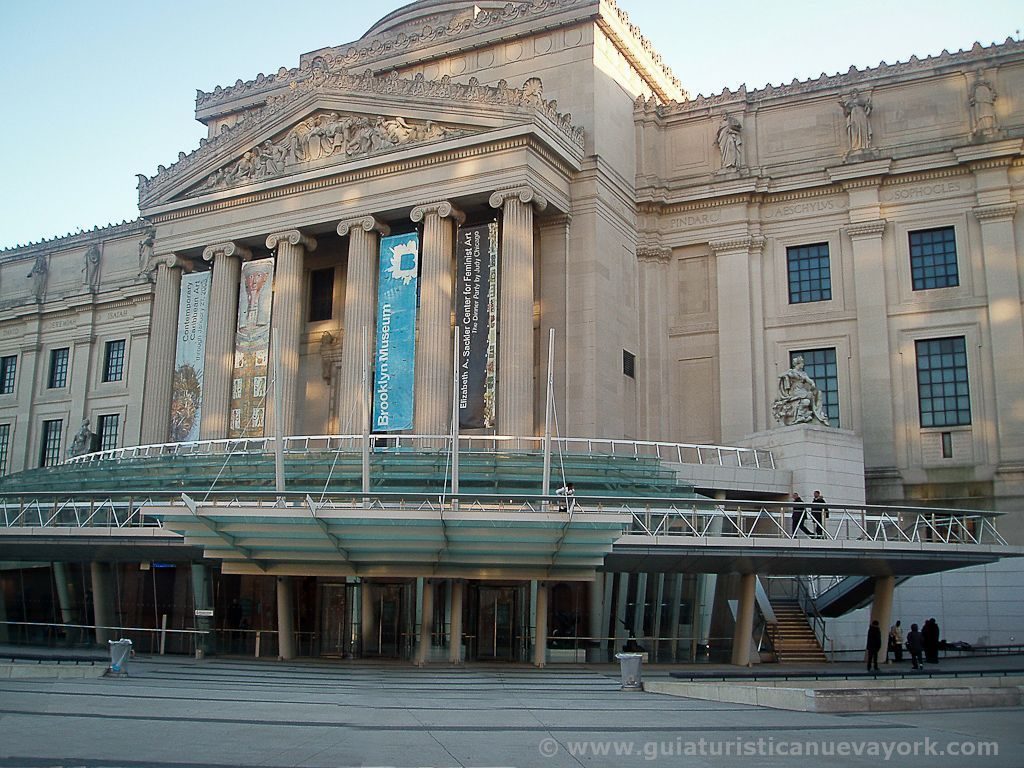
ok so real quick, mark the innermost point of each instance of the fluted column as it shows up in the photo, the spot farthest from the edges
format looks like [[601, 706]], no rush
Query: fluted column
[[220, 337], [163, 336], [515, 309], [286, 321], [360, 301], [434, 342]]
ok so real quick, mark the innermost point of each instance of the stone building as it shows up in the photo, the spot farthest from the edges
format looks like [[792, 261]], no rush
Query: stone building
[[685, 251]]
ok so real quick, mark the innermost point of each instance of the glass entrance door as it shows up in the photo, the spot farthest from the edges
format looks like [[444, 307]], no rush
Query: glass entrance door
[[395, 605], [499, 624], [335, 628]]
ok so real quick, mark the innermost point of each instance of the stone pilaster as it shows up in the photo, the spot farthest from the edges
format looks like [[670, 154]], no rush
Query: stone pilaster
[[163, 337], [873, 349], [652, 374], [515, 309], [219, 361], [286, 321], [360, 301], [1006, 324], [434, 341], [736, 323]]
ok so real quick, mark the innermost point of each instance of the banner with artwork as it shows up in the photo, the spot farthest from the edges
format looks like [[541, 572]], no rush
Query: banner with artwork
[[394, 381], [476, 315], [189, 356], [252, 350]]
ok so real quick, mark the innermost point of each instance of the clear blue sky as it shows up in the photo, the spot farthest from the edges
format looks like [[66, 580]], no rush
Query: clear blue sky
[[95, 92]]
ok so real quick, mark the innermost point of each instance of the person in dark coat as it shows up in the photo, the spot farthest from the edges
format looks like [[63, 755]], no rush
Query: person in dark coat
[[874, 644], [819, 511], [799, 515], [930, 638], [915, 644]]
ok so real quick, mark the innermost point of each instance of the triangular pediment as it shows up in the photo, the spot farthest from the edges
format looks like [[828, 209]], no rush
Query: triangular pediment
[[333, 118]]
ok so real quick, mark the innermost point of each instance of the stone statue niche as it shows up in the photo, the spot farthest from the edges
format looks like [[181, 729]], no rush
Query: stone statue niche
[[799, 401]]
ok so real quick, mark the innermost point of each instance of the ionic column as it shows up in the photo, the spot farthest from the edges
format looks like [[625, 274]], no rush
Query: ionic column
[[434, 342], [360, 301], [163, 338], [286, 321], [219, 361], [873, 357], [515, 309]]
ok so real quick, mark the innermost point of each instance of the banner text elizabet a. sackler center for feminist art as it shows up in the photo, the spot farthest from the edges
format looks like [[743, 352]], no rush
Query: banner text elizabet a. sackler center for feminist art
[[475, 311], [394, 378]]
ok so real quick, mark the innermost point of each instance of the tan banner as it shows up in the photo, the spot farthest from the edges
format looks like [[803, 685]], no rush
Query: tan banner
[[249, 383]]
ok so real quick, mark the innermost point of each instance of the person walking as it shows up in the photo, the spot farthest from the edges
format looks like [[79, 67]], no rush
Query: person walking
[[930, 639], [819, 511], [896, 642], [799, 515], [874, 644], [915, 644]]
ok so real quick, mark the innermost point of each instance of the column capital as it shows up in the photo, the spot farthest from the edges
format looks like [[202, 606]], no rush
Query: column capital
[[294, 237], [864, 230], [366, 223], [442, 208], [227, 249], [525, 194], [653, 253], [743, 243], [996, 212], [172, 261]]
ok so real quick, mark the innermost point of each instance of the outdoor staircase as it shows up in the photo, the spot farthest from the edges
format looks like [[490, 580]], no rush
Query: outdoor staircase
[[792, 637]]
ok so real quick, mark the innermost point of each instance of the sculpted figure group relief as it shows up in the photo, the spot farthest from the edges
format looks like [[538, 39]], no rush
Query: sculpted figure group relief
[[324, 136]]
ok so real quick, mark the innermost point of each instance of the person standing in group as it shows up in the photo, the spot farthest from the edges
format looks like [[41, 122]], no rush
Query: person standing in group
[[930, 639], [896, 642], [569, 503], [819, 511], [915, 644], [874, 645], [799, 515]]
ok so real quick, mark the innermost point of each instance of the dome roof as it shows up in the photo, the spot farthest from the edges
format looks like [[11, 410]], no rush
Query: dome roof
[[422, 13]]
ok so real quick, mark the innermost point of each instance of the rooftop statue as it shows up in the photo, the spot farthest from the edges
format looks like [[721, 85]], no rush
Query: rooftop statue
[[799, 401]]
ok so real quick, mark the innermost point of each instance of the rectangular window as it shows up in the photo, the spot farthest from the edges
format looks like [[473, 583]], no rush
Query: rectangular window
[[942, 387], [58, 368], [933, 258], [629, 364], [8, 370], [113, 361], [820, 365], [321, 294], [50, 454], [810, 276], [5, 444], [108, 426]]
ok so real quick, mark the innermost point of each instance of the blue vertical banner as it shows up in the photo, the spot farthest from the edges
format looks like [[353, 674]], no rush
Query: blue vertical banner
[[393, 379]]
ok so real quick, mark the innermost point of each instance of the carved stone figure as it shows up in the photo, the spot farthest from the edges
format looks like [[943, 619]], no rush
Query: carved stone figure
[[857, 108], [730, 143], [40, 271], [82, 442], [329, 351], [799, 401], [983, 106], [92, 269], [146, 253]]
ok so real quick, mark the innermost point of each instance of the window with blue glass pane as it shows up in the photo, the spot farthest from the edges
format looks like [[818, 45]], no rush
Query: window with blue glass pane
[[5, 443], [50, 454], [58, 368], [943, 390], [108, 427], [933, 259], [810, 276], [820, 365], [113, 366], [8, 370]]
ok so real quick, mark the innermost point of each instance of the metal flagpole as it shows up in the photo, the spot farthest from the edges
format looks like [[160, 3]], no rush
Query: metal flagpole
[[546, 486], [455, 420], [365, 401]]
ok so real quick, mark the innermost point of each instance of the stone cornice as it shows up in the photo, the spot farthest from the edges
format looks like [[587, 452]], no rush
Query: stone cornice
[[992, 154], [639, 52], [226, 249], [442, 208], [366, 223], [73, 240], [996, 212], [866, 229], [746, 243], [977, 55], [524, 193], [171, 261], [294, 237], [657, 254]]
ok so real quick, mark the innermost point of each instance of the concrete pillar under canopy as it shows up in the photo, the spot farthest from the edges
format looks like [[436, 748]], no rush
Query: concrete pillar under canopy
[[285, 619], [742, 639], [540, 642]]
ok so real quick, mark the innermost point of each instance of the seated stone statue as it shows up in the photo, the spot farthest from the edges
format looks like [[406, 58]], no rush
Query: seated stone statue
[[799, 401], [82, 442]]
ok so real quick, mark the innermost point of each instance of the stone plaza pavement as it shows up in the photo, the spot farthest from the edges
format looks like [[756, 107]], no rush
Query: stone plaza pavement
[[230, 712]]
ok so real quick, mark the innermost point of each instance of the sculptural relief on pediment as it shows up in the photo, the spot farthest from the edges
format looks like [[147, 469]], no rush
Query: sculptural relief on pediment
[[322, 139]]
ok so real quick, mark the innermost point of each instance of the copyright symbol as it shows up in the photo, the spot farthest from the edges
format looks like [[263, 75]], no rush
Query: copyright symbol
[[548, 747]]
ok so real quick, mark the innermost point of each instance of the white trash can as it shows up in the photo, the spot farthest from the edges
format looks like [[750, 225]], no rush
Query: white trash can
[[629, 664], [120, 650]]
